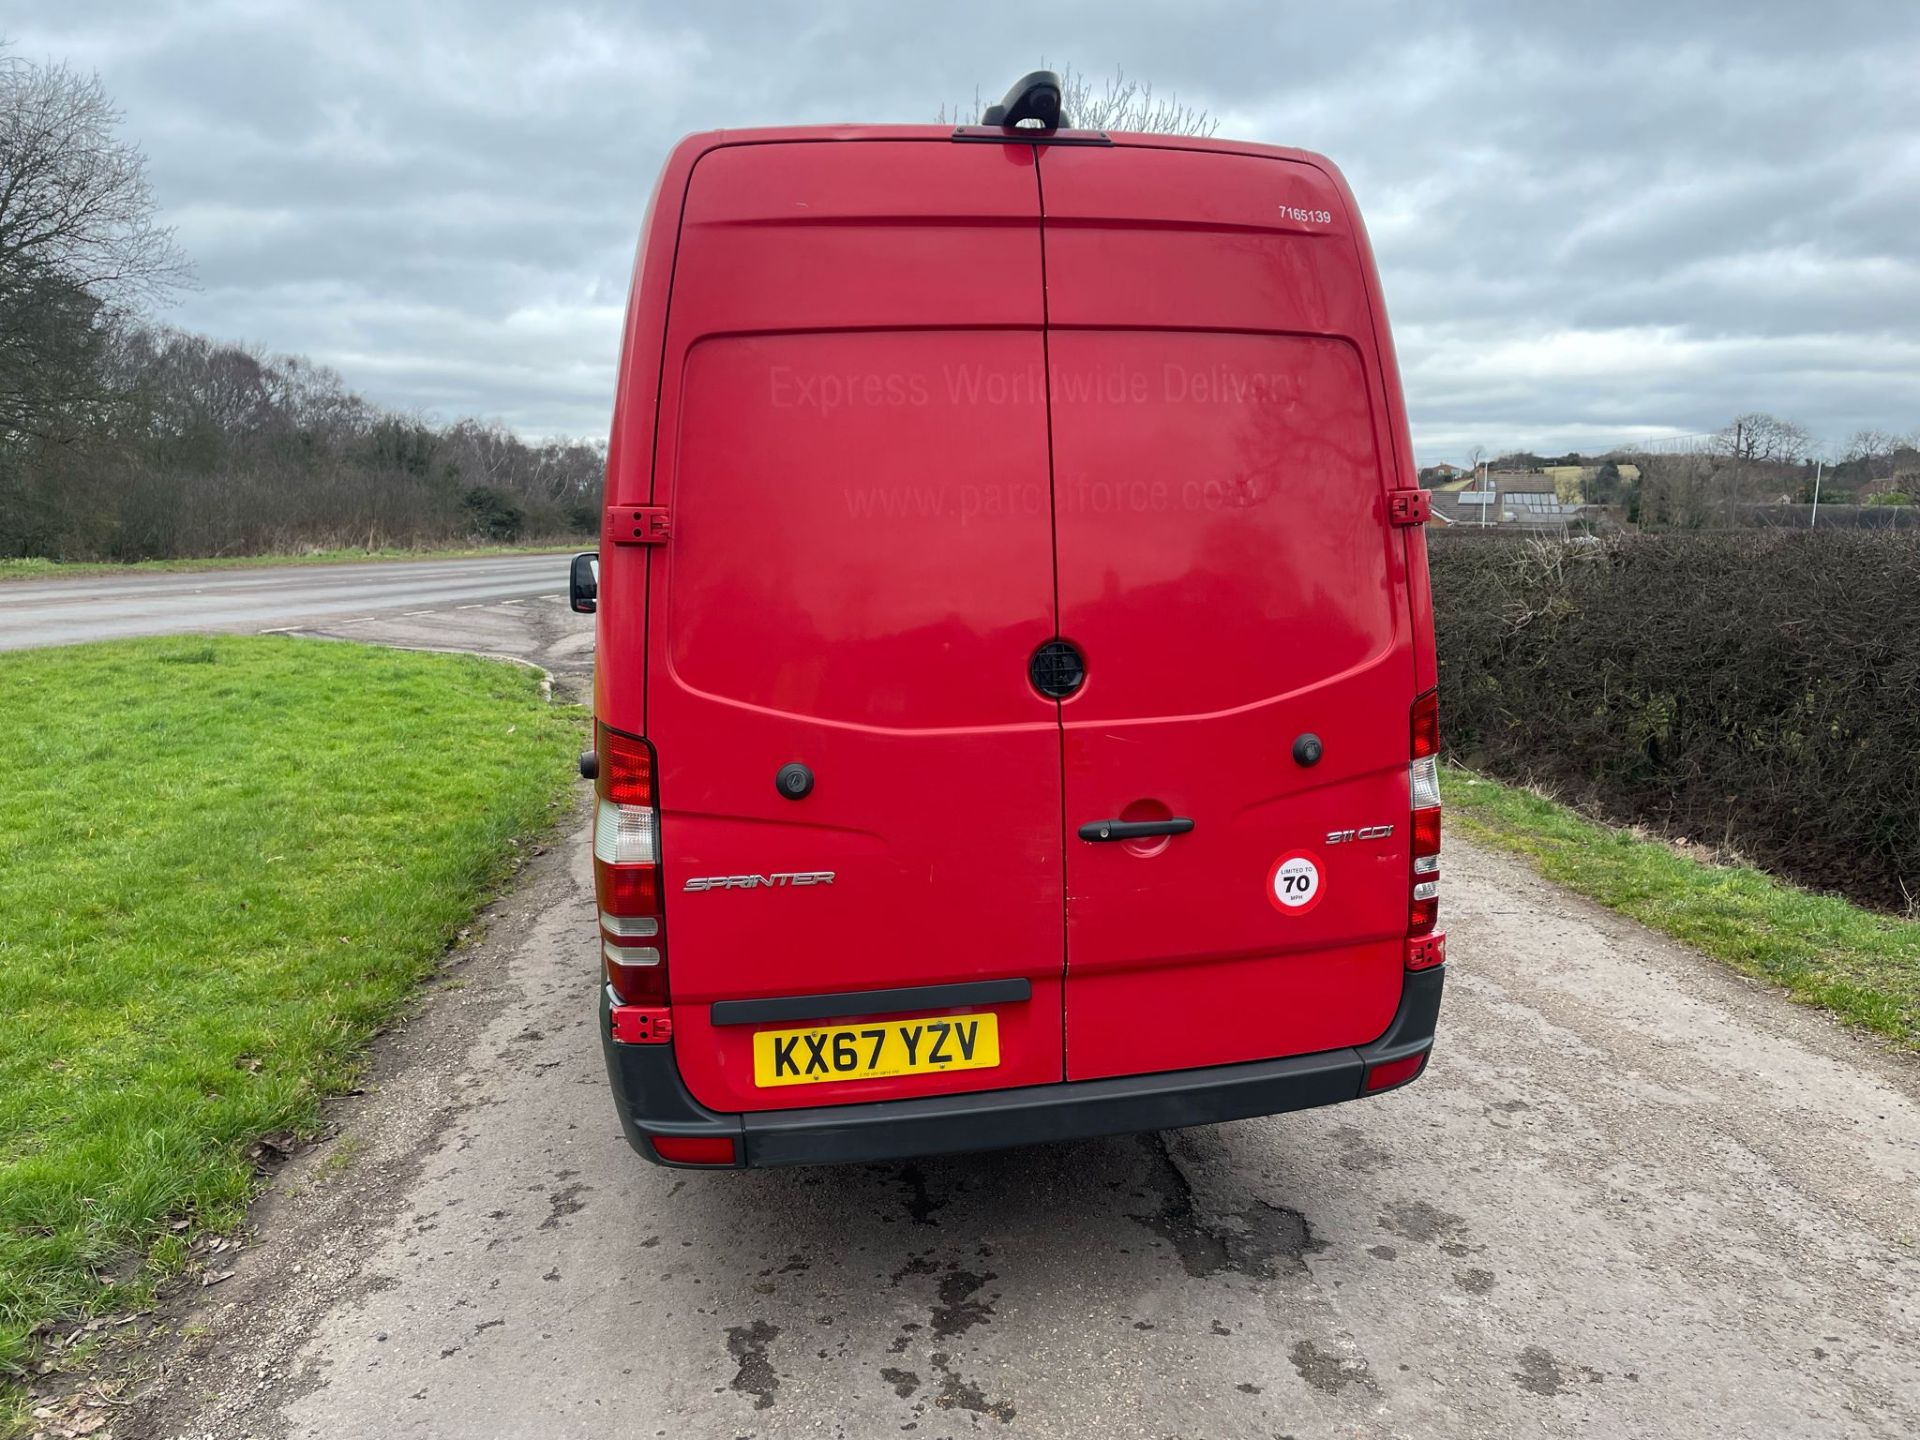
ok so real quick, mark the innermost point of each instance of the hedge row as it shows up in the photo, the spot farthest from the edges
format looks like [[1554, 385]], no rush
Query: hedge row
[[1759, 691]]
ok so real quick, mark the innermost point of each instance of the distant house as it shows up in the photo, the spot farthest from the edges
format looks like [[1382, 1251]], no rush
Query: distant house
[[1441, 474], [1509, 499]]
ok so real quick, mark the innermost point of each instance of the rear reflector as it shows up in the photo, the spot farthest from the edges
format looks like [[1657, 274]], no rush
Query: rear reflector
[[1389, 1073], [694, 1149], [1426, 952], [640, 1024]]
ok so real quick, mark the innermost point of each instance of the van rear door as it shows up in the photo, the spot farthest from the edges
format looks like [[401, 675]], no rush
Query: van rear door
[[1221, 446], [853, 453]]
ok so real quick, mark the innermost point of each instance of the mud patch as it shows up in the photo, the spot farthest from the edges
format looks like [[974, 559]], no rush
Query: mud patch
[[916, 1265], [1474, 1282], [1260, 1241], [748, 1346], [920, 1202], [1541, 1374], [958, 1394], [1422, 1223], [1331, 1373], [958, 1310], [904, 1382], [1360, 1154], [564, 1202]]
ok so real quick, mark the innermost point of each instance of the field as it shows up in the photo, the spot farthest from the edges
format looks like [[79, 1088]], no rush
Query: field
[[223, 865]]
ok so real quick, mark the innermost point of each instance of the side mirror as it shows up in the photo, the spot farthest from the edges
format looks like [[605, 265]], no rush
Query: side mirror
[[583, 584]]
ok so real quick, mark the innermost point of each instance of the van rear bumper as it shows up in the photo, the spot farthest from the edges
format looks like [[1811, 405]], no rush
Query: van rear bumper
[[652, 1100]]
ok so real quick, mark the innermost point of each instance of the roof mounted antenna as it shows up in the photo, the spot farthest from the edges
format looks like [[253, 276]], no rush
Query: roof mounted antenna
[[1033, 97]]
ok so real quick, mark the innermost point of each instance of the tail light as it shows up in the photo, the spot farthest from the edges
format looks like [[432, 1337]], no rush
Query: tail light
[[626, 883], [1424, 949]]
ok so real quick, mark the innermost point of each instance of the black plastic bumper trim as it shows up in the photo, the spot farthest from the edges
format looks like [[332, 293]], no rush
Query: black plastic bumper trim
[[869, 1002], [652, 1099]]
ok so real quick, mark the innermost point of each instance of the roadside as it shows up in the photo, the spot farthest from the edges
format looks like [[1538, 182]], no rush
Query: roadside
[[1629, 1180], [538, 630], [37, 568], [37, 613], [1862, 966], [212, 892]]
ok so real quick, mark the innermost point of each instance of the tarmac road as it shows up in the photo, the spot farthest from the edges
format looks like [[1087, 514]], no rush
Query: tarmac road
[[106, 607], [1633, 1195]]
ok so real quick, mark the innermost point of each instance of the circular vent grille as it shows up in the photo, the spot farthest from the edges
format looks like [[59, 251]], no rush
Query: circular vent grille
[[1057, 669]]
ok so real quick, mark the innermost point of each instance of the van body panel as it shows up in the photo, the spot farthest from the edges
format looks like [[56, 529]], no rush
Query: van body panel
[[916, 405], [854, 352], [1225, 565]]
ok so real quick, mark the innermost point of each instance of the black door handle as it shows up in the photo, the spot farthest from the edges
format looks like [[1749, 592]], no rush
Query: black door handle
[[1133, 829]]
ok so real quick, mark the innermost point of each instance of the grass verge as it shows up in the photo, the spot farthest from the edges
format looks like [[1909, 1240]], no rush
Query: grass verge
[[1862, 966], [223, 865], [37, 568]]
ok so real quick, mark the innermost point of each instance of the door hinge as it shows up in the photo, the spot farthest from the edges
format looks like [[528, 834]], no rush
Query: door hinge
[[637, 524], [1409, 507]]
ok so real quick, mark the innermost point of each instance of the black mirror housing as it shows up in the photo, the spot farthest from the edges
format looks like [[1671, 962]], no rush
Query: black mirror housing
[[583, 584]]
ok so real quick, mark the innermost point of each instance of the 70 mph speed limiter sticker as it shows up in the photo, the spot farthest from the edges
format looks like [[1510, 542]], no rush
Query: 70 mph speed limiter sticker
[[1293, 884]]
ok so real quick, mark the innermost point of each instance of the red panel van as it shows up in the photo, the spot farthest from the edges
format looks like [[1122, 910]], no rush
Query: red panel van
[[1014, 711]]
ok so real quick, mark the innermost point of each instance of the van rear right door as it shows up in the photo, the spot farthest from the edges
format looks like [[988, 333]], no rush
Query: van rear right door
[[1226, 567]]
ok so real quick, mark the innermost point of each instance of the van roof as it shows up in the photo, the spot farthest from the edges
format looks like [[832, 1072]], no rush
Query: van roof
[[789, 134]]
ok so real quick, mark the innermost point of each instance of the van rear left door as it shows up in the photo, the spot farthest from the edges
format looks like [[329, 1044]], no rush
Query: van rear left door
[[854, 456]]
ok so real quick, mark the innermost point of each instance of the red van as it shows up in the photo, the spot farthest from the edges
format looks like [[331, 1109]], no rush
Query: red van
[[1014, 711]]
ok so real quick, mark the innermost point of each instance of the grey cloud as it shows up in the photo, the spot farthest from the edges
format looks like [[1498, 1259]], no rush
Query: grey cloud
[[1592, 221]]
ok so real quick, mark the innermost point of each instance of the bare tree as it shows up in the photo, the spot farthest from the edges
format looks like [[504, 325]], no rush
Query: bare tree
[[74, 197], [1758, 436], [1119, 103], [78, 245], [1122, 103]]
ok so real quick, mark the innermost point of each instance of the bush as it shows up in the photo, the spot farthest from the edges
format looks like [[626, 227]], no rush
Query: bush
[[1759, 690], [494, 515]]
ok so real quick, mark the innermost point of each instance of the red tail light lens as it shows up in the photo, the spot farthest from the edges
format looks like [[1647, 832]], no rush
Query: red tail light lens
[[626, 878], [626, 769], [1423, 913], [628, 892], [1426, 725]]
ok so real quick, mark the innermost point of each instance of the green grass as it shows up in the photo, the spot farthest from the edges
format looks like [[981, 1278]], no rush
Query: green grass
[[1862, 966], [37, 568], [223, 865]]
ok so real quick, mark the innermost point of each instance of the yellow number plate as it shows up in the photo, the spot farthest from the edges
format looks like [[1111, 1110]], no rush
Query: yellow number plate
[[882, 1047]]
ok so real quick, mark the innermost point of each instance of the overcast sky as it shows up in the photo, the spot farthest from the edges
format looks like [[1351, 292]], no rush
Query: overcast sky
[[1594, 221]]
